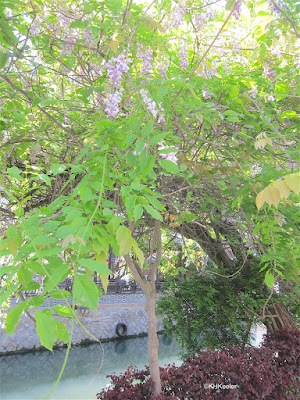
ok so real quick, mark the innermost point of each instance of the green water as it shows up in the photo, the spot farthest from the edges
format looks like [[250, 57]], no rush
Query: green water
[[32, 375]]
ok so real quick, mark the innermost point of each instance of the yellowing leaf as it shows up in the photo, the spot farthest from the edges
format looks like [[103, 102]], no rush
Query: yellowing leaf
[[104, 280], [124, 240], [138, 252], [260, 200], [261, 143], [293, 182], [283, 188], [114, 44], [67, 240], [270, 195]]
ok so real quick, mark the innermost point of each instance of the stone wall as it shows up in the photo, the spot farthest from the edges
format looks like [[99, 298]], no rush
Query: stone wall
[[101, 323]]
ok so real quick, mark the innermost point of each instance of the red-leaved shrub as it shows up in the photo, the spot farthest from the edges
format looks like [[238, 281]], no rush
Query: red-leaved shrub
[[266, 373]]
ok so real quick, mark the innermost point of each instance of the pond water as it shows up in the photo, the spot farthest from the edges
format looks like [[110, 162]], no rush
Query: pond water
[[31, 376]]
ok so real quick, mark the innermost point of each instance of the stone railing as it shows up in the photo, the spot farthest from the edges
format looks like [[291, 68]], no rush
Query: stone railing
[[114, 287]]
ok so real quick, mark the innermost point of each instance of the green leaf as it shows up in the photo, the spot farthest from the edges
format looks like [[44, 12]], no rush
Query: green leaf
[[290, 114], [137, 186], [155, 203], [45, 178], [93, 265], [64, 311], [269, 279], [58, 168], [157, 138], [137, 212], [229, 4], [85, 194], [85, 292], [124, 240], [3, 59], [234, 92], [13, 317], [154, 213], [130, 203], [14, 172], [139, 146], [281, 88], [62, 331], [46, 328], [169, 166]]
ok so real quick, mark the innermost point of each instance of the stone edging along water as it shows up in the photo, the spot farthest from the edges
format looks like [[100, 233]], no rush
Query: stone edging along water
[[101, 323]]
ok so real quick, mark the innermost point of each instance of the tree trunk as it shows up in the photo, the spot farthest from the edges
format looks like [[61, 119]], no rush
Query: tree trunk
[[153, 340], [280, 318], [149, 290]]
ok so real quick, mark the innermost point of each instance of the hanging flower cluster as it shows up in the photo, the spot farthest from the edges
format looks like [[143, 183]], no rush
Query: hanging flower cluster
[[206, 95], [112, 103], [275, 3], [87, 35], [152, 106], [146, 56], [202, 18], [183, 57], [116, 67], [177, 17], [237, 11], [163, 66]]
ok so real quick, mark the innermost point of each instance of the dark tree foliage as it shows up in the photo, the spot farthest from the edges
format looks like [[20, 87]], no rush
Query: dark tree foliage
[[204, 311]]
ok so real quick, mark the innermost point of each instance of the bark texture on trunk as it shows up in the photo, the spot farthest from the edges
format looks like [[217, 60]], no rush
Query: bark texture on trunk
[[149, 290], [153, 340], [280, 318]]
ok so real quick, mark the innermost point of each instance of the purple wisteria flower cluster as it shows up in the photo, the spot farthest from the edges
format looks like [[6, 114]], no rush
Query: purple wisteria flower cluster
[[116, 67], [202, 18], [238, 9], [152, 106], [269, 71], [163, 66], [206, 95], [209, 72], [276, 6], [146, 56], [87, 36], [36, 26], [183, 57], [176, 17], [112, 103], [253, 92], [66, 48]]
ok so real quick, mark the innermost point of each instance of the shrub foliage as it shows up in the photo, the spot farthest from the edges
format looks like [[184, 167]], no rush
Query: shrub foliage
[[269, 372]]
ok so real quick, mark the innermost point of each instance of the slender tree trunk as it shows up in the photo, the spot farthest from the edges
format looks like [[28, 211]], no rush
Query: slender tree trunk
[[153, 340], [149, 290]]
